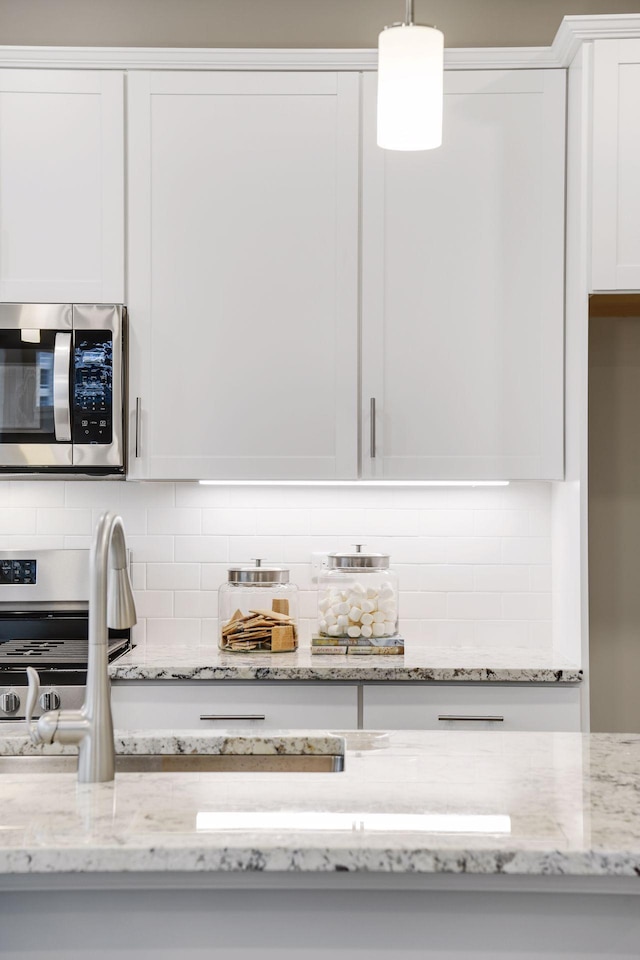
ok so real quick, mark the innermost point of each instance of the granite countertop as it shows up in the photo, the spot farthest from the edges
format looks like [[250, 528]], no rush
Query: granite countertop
[[407, 802], [421, 662]]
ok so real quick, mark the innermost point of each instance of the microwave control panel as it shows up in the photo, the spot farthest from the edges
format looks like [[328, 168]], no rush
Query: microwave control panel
[[93, 386]]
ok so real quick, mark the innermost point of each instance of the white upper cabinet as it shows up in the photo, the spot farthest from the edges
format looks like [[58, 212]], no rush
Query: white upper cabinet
[[462, 287], [243, 274], [615, 211], [61, 186]]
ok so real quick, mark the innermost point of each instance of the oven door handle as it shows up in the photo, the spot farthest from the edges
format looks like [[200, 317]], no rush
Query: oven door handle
[[62, 387]]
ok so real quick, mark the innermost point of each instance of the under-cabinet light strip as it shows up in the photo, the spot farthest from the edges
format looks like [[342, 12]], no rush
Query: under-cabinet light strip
[[354, 483]]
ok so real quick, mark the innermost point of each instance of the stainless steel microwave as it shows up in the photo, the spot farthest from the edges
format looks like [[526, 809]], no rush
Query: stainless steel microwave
[[62, 388]]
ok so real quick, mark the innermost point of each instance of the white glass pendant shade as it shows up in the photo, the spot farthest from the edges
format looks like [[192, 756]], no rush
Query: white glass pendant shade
[[410, 78]]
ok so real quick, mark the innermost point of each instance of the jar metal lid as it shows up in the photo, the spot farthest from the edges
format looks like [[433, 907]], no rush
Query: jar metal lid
[[358, 561], [258, 575]]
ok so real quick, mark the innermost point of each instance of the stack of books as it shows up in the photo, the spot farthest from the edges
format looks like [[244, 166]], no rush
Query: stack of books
[[381, 646]]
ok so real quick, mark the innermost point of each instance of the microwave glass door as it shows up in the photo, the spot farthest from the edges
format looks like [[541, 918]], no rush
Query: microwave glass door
[[34, 377]]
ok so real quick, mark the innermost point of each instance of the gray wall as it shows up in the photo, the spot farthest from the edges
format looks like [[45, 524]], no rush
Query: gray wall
[[614, 521], [284, 23]]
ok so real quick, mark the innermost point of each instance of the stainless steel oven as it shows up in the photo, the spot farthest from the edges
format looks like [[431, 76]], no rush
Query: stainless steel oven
[[62, 388], [44, 623]]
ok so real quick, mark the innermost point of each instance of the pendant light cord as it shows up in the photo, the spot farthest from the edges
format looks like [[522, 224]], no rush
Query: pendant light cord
[[408, 19]]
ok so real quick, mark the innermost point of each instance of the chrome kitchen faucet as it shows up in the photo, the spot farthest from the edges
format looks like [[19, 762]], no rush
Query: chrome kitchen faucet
[[111, 604]]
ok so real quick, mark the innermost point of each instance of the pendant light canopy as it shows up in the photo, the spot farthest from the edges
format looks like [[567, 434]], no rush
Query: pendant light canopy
[[410, 76]]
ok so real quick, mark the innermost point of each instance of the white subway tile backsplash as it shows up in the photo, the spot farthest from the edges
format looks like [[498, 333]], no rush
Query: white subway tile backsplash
[[410, 576], [501, 577], [173, 576], [423, 605], [224, 522], [447, 577], [151, 549], [31, 542], [526, 550], [26, 493], [282, 522], [540, 578], [528, 606], [341, 522], [245, 549], [446, 523], [474, 606], [177, 520], [139, 576], [201, 549], [502, 523], [154, 603], [79, 494], [165, 631], [196, 603], [473, 550], [63, 521], [19, 520], [513, 632], [474, 563], [415, 549], [212, 575]]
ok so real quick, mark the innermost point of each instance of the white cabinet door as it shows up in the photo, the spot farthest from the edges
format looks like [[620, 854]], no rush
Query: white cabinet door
[[461, 707], [463, 286], [61, 186], [615, 209], [243, 274], [256, 706]]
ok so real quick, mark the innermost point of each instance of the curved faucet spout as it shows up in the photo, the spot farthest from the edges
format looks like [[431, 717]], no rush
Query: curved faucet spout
[[111, 603]]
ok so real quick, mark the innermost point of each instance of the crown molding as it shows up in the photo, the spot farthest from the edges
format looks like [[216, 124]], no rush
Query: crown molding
[[193, 58], [573, 31]]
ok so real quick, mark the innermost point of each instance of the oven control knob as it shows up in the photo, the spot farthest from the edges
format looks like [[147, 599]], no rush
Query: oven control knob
[[9, 701], [50, 700]]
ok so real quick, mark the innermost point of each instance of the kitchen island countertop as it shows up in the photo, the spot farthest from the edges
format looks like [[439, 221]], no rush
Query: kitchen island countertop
[[508, 804]]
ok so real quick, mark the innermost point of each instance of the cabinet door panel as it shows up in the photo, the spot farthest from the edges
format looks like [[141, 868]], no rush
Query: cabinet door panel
[[61, 186], [243, 274], [615, 250], [179, 706], [463, 286], [451, 707]]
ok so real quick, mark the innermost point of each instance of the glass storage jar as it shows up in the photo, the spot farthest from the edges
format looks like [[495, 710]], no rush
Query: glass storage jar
[[258, 610], [358, 596]]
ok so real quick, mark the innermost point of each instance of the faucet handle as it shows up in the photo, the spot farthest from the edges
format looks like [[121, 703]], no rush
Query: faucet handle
[[32, 698]]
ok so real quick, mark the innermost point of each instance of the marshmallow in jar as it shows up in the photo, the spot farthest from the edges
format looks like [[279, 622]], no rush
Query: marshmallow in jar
[[358, 597]]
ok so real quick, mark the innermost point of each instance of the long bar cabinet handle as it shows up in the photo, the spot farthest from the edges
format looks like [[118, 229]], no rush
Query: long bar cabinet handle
[[372, 426], [456, 718], [232, 716], [138, 424]]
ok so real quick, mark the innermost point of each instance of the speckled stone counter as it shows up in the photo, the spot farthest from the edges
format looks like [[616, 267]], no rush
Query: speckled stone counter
[[507, 804], [421, 662]]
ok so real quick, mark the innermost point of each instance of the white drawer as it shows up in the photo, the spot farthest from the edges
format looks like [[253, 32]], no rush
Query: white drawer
[[459, 706], [260, 706]]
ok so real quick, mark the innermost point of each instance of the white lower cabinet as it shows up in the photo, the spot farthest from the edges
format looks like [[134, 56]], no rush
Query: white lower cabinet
[[216, 706], [461, 707], [184, 705]]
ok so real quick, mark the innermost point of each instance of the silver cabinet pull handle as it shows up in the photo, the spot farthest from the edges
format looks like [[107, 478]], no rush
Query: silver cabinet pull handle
[[138, 415], [372, 418], [456, 717], [232, 716]]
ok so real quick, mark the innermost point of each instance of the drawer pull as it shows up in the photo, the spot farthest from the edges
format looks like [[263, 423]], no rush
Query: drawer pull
[[232, 716], [456, 717]]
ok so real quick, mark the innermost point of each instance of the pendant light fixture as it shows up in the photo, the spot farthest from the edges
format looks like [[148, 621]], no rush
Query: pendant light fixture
[[410, 77]]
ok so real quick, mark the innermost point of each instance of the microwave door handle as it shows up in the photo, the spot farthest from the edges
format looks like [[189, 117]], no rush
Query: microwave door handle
[[62, 387]]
